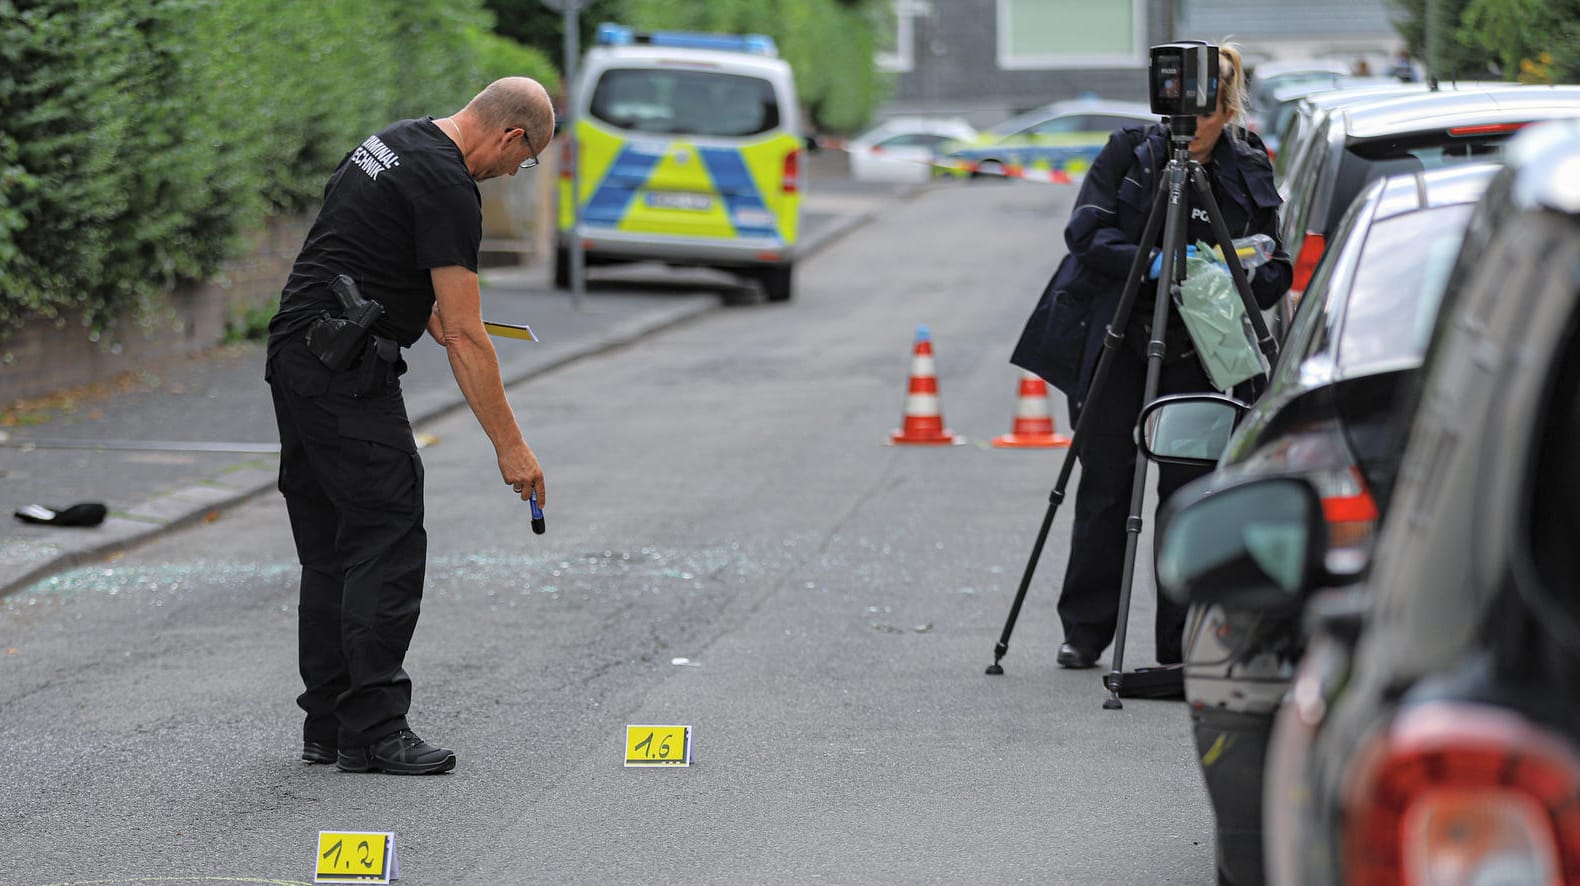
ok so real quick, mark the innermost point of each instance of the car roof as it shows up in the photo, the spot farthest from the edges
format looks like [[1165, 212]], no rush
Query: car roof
[[920, 124], [1355, 85], [1336, 98], [642, 55], [1084, 105], [1270, 70], [1089, 103], [1440, 110]]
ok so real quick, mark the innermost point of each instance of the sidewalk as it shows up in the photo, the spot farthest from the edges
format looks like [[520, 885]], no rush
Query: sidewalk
[[190, 439]]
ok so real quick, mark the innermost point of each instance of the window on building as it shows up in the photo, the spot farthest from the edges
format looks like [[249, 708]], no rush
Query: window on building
[[1043, 34], [897, 25]]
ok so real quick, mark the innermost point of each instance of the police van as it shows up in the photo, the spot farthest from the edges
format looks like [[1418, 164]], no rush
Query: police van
[[688, 152]]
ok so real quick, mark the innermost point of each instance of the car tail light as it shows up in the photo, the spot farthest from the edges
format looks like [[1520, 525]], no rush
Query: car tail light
[[792, 174], [1351, 515], [1455, 793], [1311, 249], [1319, 453]]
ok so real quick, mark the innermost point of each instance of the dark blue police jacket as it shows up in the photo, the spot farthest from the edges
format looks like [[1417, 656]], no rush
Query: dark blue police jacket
[[1064, 336]]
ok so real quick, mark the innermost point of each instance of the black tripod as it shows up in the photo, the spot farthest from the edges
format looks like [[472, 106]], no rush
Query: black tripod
[[1171, 210]]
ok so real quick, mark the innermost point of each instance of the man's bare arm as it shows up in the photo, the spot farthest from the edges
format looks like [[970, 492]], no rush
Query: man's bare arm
[[457, 324]]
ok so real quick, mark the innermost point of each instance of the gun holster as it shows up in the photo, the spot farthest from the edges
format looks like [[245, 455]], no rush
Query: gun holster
[[338, 342], [335, 341]]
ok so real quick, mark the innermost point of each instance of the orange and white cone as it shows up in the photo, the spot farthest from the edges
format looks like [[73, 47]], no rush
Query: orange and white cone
[[923, 423], [1033, 425]]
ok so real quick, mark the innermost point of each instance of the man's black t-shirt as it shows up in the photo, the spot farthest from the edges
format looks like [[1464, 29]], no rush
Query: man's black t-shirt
[[398, 206]]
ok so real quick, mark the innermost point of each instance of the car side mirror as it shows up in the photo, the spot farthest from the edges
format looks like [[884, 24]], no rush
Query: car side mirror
[[1254, 547], [1190, 429]]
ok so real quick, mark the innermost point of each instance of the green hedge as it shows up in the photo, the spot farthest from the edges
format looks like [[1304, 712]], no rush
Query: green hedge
[[138, 137]]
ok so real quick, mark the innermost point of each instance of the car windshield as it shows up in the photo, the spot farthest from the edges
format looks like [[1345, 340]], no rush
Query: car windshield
[[683, 102], [1398, 285], [913, 140], [1017, 123]]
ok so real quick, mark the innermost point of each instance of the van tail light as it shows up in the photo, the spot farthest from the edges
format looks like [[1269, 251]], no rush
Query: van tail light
[[792, 174], [1457, 793], [1311, 248], [566, 159]]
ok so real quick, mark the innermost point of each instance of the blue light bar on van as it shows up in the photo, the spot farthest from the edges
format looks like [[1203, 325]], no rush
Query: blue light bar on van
[[620, 35]]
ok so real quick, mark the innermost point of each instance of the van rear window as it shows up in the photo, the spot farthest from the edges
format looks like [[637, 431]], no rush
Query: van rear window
[[680, 102]]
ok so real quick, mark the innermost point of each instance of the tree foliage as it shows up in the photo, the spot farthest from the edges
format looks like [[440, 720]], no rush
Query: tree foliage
[[1533, 40], [138, 137], [830, 44], [1528, 40], [533, 24]]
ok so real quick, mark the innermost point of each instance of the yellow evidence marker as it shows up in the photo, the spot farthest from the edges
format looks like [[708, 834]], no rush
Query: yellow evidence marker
[[510, 330], [647, 745], [356, 857]]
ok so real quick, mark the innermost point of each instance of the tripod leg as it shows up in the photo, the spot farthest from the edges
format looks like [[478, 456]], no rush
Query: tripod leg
[[1220, 232], [1169, 275], [1111, 342]]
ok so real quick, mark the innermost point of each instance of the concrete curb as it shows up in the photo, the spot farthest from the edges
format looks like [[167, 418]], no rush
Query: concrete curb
[[24, 564]]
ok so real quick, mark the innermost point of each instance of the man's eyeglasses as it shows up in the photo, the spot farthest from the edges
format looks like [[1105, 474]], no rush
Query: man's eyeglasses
[[532, 160]]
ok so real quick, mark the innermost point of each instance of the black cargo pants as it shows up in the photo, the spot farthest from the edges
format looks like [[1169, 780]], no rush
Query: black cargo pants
[[1089, 601], [353, 486]]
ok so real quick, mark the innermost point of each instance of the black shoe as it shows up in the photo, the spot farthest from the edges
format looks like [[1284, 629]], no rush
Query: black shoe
[[399, 753], [1074, 658], [317, 752]]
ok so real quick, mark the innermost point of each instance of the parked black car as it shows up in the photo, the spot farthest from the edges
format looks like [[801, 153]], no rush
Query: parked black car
[[1328, 416], [1431, 733]]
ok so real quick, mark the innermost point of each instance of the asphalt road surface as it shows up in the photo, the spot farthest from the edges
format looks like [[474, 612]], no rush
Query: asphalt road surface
[[730, 547]]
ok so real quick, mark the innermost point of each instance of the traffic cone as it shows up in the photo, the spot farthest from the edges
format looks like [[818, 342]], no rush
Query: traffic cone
[[1033, 425], [923, 423]]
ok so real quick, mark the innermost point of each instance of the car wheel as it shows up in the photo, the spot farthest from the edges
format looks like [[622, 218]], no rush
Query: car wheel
[[776, 282]]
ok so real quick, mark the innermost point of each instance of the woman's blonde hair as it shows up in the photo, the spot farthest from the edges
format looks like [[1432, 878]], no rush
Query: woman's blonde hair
[[1231, 82]]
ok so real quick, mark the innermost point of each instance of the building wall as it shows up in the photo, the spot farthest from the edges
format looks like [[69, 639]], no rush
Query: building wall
[[1283, 30], [955, 70]]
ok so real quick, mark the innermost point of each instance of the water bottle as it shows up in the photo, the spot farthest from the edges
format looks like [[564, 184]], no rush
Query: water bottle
[[1254, 251]]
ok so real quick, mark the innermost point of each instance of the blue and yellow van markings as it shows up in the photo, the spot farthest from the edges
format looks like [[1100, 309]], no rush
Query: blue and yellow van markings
[[612, 197], [744, 203]]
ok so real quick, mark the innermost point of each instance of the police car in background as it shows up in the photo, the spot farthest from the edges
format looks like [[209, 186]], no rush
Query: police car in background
[[688, 150]]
